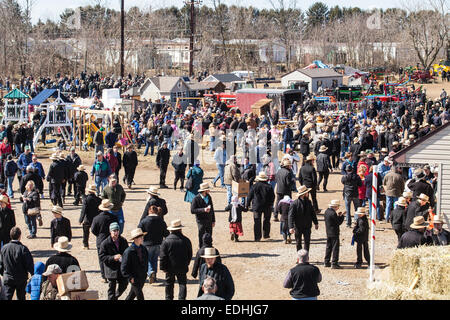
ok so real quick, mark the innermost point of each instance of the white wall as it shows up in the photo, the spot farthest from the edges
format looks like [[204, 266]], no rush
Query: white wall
[[293, 77], [312, 86], [152, 92]]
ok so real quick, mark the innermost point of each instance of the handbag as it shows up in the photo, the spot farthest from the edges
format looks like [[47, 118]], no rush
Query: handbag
[[189, 184], [33, 212]]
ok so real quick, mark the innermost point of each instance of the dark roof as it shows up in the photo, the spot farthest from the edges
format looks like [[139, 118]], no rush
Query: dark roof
[[421, 140], [45, 95], [199, 86], [226, 77]]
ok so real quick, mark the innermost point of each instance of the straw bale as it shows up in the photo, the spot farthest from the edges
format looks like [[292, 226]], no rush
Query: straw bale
[[434, 274]]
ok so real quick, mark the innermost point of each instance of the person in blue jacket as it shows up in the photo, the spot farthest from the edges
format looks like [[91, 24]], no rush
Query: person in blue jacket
[[34, 285]]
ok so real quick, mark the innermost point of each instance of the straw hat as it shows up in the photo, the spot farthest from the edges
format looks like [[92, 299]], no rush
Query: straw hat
[[62, 156], [303, 190], [384, 150], [361, 211], [419, 173], [438, 219], [334, 204], [54, 157], [62, 245], [204, 187], [81, 168], [92, 188], [419, 223], [57, 209], [411, 136], [175, 225], [407, 194], [401, 202], [362, 154], [395, 143], [136, 233], [153, 191], [310, 157], [356, 140], [323, 148], [106, 205], [262, 176], [286, 162], [423, 197], [4, 199], [210, 253]]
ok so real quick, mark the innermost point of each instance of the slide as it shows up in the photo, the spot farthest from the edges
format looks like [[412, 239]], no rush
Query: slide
[[320, 64]]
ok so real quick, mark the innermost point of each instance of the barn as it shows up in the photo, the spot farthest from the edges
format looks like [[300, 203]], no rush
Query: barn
[[325, 78], [434, 150]]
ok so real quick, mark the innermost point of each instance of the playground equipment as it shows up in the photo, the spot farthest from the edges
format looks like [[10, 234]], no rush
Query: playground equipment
[[56, 107], [441, 66], [17, 112]]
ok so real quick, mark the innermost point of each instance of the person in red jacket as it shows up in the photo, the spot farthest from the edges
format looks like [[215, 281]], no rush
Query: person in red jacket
[[112, 160], [5, 148]]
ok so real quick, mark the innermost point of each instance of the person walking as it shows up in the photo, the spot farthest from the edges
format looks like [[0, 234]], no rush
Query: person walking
[[198, 260], [195, 174], [63, 258], [333, 220], [10, 170], [261, 197], [162, 162], [89, 210], [99, 140], [156, 230], [130, 163], [393, 185], [231, 174], [100, 228], [7, 221], [285, 180], [74, 160], [80, 180], [308, 178], [116, 195], [60, 226], [235, 218], [16, 262], [135, 264], [361, 237], [351, 182], [399, 216], [31, 207], [155, 200], [56, 177], [110, 254], [179, 164], [175, 257], [219, 272], [301, 217], [323, 167], [100, 172], [303, 279], [203, 208]]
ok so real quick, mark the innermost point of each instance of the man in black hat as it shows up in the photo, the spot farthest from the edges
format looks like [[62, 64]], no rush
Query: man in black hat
[[130, 163], [351, 182], [419, 186], [162, 162], [56, 176]]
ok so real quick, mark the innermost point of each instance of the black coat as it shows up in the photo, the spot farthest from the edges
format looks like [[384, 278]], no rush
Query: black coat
[[398, 218], [411, 239], [56, 172], [130, 160], [361, 230], [414, 210], [285, 181], [100, 226], [283, 208], [197, 207], [302, 215], [261, 196], [132, 267], [89, 209], [163, 157], [199, 261], [304, 146], [175, 253], [15, 263], [106, 254], [7, 222], [155, 201], [239, 210], [73, 164], [308, 176], [421, 186], [63, 259], [34, 200], [323, 163], [81, 178], [32, 176], [156, 230], [351, 182], [332, 223], [436, 240], [224, 280], [303, 280], [60, 229]]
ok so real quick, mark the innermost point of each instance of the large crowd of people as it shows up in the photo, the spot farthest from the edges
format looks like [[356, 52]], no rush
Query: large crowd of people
[[277, 156]]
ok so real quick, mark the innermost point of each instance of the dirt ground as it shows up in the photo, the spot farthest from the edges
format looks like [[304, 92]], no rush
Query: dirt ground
[[258, 269]]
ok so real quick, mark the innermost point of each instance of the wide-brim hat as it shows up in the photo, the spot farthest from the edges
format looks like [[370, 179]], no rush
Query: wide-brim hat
[[286, 162], [175, 225], [303, 190], [334, 203], [57, 209], [310, 157], [355, 140], [407, 194], [136, 233], [106, 205], [92, 188], [81, 168], [384, 150], [62, 245], [323, 148], [437, 219], [210, 253], [54, 157], [262, 176], [419, 223], [153, 191], [361, 211], [204, 187], [401, 202], [423, 197], [61, 156], [362, 154], [395, 143], [419, 173]]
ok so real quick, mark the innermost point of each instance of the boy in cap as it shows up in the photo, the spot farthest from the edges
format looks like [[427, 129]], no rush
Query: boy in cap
[[80, 179], [60, 226], [333, 220], [361, 236], [49, 287]]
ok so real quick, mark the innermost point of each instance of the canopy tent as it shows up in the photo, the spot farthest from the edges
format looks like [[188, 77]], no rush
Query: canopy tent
[[45, 95], [16, 94]]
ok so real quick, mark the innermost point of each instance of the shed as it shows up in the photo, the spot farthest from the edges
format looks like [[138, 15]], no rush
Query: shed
[[261, 107], [206, 87], [17, 111], [170, 88], [282, 98], [227, 79], [432, 149], [325, 78]]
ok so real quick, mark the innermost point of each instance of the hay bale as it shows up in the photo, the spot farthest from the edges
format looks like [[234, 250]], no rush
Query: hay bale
[[434, 274], [382, 290]]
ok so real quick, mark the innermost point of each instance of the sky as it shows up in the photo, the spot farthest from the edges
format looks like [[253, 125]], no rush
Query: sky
[[51, 9]]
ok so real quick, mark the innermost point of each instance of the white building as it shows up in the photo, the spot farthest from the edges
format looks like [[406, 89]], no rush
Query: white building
[[169, 88], [325, 78]]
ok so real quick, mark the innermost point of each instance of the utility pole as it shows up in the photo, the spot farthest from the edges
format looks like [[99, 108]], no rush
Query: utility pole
[[122, 38], [192, 3]]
